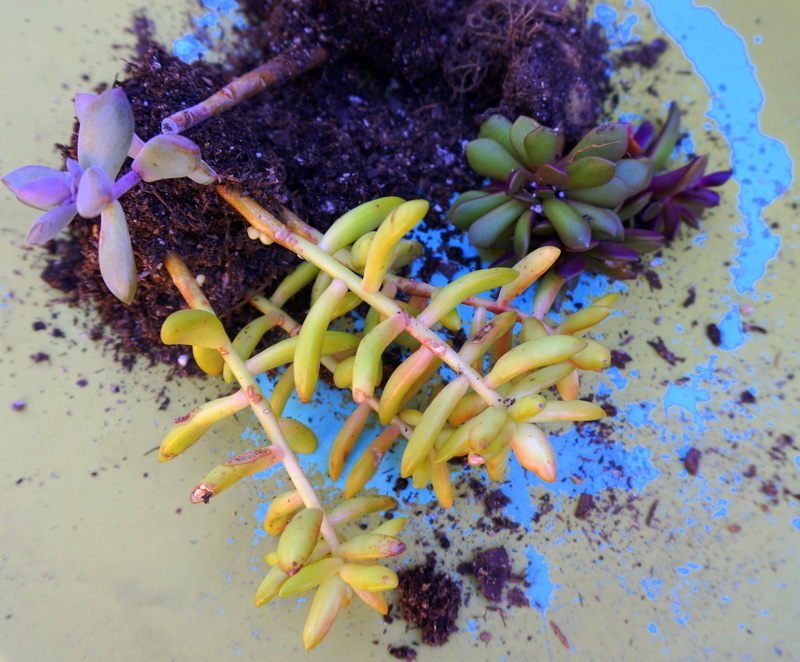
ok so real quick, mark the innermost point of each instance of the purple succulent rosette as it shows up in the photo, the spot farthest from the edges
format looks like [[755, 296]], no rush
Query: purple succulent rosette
[[89, 186]]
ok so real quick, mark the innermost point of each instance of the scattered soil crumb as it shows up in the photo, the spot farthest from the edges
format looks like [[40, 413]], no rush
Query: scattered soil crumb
[[585, 505], [714, 334], [402, 652], [664, 352], [492, 569], [692, 461]]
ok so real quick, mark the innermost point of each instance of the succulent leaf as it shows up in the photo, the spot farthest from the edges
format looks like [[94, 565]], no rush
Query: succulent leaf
[[590, 171], [115, 253], [489, 158], [519, 130], [106, 132], [49, 224], [572, 229], [95, 192], [44, 193], [193, 327], [608, 141], [543, 146], [470, 206], [166, 156], [486, 230]]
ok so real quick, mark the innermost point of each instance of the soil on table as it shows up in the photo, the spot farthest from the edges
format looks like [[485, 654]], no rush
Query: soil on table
[[403, 87]]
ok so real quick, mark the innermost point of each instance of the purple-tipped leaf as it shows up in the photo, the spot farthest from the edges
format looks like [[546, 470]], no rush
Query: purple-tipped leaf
[[715, 178], [166, 156], [106, 132], [644, 134], [661, 148], [609, 250], [74, 173], [49, 224], [572, 265], [44, 193], [115, 253], [21, 177], [94, 192]]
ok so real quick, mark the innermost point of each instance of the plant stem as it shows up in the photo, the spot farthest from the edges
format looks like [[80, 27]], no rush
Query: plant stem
[[279, 69], [260, 405], [265, 222]]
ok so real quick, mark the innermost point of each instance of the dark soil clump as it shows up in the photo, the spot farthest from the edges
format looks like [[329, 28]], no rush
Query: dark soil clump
[[430, 600], [382, 116]]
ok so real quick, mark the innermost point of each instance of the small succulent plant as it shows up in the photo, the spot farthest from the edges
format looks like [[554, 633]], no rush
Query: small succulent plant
[[601, 202], [485, 416], [89, 186]]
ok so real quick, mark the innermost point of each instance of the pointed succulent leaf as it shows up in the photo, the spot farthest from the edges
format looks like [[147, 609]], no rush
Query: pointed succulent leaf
[[644, 134], [489, 158], [590, 171], [571, 265], [115, 253], [203, 174], [636, 173], [609, 195], [73, 176], [715, 178], [552, 175], [516, 180], [543, 146], [497, 128], [634, 205], [193, 327], [534, 451], [520, 129], [610, 250], [469, 208], [81, 102], [522, 235], [106, 132], [643, 241], [570, 226], [44, 193], [18, 181], [605, 223], [660, 149], [49, 224], [490, 227], [166, 156], [608, 141], [95, 192]]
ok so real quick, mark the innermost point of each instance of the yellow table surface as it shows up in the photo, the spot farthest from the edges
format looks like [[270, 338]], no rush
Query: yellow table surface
[[103, 558]]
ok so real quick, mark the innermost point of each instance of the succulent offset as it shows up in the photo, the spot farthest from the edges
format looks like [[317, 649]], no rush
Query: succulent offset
[[601, 202], [88, 188]]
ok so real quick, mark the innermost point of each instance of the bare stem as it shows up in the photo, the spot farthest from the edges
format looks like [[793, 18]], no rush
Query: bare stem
[[279, 69]]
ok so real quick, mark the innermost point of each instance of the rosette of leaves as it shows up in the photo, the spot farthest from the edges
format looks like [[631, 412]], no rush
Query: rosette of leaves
[[88, 188], [599, 203], [680, 195]]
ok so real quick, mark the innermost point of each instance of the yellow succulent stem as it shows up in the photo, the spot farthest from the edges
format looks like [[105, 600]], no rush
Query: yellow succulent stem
[[266, 223], [255, 397]]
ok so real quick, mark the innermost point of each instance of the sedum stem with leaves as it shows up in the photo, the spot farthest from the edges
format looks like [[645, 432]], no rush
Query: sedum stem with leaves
[[255, 396]]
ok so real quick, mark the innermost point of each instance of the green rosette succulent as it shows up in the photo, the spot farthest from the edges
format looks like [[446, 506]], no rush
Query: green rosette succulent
[[541, 196]]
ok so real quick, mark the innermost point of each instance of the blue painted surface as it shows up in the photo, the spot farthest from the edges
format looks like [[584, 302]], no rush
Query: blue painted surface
[[761, 164]]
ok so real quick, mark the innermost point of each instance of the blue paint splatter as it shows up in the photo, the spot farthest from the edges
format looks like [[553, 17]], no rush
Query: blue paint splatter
[[761, 164], [652, 628]]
